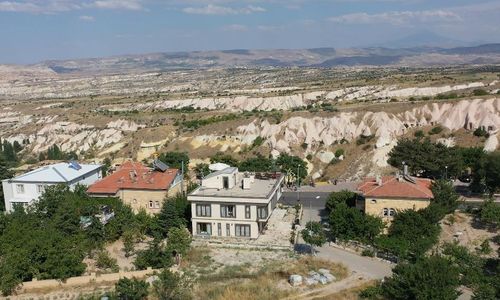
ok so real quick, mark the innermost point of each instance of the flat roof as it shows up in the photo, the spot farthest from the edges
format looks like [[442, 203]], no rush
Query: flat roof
[[260, 188]]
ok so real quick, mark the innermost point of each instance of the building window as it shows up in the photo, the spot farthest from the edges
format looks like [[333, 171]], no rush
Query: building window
[[150, 204], [219, 229], [392, 212], [228, 230], [247, 211], [157, 204], [228, 211], [262, 212], [204, 228], [20, 188], [385, 212], [242, 230], [40, 188], [373, 201], [203, 210]]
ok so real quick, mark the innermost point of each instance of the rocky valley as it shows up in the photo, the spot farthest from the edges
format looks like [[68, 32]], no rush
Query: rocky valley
[[342, 121]]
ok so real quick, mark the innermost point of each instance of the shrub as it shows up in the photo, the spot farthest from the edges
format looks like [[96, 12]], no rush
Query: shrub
[[368, 252], [104, 261], [479, 92], [480, 132], [436, 130], [131, 289], [419, 134], [339, 152]]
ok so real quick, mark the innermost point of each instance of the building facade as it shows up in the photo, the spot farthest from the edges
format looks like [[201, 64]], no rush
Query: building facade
[[28, 187], [139, 186], [233, 204], [385, 196]]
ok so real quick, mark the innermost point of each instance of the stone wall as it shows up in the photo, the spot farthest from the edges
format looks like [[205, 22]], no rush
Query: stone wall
[[73, 282]]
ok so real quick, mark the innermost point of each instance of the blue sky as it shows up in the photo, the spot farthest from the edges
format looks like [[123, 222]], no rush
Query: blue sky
[[36, 30]]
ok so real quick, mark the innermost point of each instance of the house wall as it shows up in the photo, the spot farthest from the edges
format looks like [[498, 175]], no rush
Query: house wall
[[215, 219], [377, 208], [31, 193], [138, 199]]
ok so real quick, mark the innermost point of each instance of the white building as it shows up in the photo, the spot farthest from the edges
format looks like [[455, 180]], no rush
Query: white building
[[26, 188], [233, 204]]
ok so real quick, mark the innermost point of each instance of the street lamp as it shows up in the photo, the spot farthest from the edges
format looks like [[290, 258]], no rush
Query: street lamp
[[446, 172]]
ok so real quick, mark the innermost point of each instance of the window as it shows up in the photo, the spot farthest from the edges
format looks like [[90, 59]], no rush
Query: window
[[247, 211], [157, 204], [228, 230], [150, 204], [262, 212], [204, 228], [219, 229], [225, 182], [203, 210], [385, 212], [40, 188], [373, 201], [20, 188], [228, 211], [392, 212], [242, 230]]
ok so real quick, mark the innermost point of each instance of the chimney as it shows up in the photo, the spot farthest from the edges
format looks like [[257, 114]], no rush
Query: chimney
[[378, 180], [405, 170]]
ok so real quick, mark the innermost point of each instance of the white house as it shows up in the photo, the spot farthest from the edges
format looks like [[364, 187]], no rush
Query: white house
[[26, 188], [229, 203]]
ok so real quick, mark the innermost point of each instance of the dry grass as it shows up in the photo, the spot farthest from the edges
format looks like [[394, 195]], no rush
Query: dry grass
[[197, 257], [348, 294], [307, 263], [269, 282]]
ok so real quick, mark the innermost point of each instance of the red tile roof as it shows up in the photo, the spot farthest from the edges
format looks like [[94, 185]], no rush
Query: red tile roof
[[391, 187], [134, 175]]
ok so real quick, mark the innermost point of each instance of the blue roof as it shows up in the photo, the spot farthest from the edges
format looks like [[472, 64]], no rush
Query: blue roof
[[56, 173]]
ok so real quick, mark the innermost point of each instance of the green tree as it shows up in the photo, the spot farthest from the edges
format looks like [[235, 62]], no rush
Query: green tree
[[172, 286], [154, 256], [201, 170], [258, 163], [344, 196], [178, 240], [415, 231], [175, 159], [424, 156], [314, 235], [444, 196], [291, 165], [348, 223], [492, 172], [5, 173], [131, 289], [431, 277], [172, 214], [490, 213], [227, 159]]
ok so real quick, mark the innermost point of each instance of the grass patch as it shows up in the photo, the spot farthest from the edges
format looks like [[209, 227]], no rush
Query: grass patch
[[269, 282], [197, 257], [348, 294]]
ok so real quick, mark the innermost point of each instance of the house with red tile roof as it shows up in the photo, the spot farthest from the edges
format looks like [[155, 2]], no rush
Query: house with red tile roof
[[383, 196], [139, 186]]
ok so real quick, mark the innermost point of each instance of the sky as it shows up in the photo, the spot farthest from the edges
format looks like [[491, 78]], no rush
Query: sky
[[36, 30]]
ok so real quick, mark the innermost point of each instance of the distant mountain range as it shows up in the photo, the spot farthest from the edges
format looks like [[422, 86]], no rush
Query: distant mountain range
[[243, 58]]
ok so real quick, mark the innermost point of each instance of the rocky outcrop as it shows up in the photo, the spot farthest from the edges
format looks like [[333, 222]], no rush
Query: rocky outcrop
[[386, 127]]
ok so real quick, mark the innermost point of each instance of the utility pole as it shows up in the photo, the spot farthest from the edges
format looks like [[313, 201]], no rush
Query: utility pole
[[182, 180], [298, 192]]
